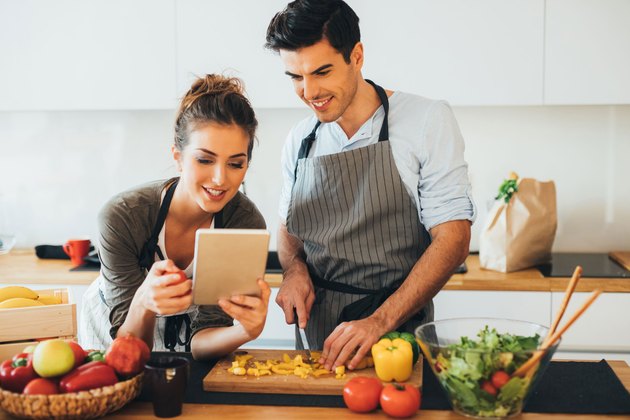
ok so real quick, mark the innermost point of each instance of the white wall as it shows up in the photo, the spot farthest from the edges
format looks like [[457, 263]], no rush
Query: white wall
[[58, 168]]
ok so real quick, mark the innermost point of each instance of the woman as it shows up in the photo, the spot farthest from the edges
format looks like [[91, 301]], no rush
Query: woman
[[147, 236]]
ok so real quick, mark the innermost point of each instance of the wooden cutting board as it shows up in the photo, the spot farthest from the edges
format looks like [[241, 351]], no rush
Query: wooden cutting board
[[622, 258], [220, 380]]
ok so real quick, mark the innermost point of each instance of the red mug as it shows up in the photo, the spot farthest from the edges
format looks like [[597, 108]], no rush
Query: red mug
[[77, 249]]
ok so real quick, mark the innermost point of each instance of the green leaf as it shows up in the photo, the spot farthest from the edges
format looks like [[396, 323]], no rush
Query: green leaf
[[465, 395]]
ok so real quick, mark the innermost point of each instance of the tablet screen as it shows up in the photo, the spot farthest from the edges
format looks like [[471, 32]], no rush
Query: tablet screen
[[228, 262]]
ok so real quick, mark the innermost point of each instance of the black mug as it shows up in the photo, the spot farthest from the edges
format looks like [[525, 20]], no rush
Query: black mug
[[166, 379]]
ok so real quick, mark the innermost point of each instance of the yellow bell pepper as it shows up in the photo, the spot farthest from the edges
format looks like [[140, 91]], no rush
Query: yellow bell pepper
[[393, 359]]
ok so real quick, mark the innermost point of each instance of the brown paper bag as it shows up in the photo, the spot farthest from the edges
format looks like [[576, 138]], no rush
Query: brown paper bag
[[519, 234]]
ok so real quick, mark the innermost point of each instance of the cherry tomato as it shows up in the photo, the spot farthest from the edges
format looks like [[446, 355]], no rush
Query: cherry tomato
[[400, 400], [41, 386], [79, 353], [488, 387], [361, 394], [499, 378]]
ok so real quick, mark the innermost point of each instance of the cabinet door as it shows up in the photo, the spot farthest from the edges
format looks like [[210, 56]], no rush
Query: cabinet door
[[485, 52], [604, 327], [97, 54], [524, 306], [587, 59], [215, 36]]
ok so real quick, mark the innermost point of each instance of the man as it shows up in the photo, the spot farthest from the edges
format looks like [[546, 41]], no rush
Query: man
[[365, 181]]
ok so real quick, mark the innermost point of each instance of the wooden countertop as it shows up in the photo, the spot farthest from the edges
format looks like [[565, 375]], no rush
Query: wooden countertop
[[142, 410], [23, 267]]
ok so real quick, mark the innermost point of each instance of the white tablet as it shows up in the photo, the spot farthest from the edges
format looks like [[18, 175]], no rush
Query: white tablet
[[228, 262]]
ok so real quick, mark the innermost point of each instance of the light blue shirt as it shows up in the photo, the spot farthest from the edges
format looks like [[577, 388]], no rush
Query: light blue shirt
[[427, 147]]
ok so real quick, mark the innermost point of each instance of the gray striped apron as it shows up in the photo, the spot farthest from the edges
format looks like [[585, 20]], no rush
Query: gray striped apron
[[360, 228]]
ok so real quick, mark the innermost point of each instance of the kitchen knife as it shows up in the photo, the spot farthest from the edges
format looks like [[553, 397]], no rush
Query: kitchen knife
[[307, 348]]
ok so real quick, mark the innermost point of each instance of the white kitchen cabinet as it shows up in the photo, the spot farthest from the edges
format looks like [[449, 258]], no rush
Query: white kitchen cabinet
[[97, 54], [215, 36], [524, 306], [485, 52], [603, 328], [587, 58]]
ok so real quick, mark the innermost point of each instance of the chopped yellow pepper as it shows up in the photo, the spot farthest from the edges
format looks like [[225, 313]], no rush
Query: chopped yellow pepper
[[393, 359], [239, 371], [340, 372], [245, 365]]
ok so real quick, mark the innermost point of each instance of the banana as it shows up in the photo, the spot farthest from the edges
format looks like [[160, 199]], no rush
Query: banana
[[19, 303], [49, 299], [17, 292]]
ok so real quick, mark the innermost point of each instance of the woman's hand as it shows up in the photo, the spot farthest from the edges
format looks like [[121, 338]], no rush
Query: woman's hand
[[249, 311], [166, 290]]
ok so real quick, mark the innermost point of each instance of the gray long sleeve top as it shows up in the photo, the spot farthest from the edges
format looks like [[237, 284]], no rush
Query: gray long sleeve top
[[125, 225]]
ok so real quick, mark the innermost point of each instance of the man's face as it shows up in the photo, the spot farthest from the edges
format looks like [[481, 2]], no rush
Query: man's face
[[322, 78]]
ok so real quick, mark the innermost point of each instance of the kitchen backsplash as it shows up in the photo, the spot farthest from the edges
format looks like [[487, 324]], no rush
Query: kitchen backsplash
[[58, 168]]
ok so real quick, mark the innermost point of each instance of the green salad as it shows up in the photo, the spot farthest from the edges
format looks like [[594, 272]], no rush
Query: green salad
[[476, 373]]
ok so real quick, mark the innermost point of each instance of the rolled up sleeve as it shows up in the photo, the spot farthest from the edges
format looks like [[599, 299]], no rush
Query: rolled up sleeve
[[444, 188]]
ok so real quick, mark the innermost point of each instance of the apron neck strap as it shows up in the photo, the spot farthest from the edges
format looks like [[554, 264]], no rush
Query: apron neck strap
[[384, 134], [151, 247], [307, 141]]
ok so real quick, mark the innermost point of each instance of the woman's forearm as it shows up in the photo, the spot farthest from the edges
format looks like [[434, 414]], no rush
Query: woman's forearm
[[216, 342], [139, 322]]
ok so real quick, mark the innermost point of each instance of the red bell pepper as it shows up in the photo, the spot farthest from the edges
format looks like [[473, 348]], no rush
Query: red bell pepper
[[17, 372], [88, 376]]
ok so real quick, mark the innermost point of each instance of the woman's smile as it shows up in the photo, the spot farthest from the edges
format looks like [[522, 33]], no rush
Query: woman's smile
[[215, 194]]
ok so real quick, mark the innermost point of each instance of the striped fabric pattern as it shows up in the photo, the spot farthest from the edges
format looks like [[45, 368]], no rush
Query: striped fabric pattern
[[359, 227]]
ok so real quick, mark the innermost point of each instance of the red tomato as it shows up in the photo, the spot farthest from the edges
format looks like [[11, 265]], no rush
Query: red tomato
[[361, 394], [127, 355], [79, 353], [41, 386], [400, 400], [500, 378], [488, 387]]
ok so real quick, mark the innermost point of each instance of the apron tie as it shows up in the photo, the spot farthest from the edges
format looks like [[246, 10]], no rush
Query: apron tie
[[171, 332]]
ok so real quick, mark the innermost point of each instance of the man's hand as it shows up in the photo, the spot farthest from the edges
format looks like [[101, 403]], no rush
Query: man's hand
[[346, 338], [296, 291]]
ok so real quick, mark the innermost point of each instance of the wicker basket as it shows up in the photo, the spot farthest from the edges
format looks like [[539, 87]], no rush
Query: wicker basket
[[78, 405]]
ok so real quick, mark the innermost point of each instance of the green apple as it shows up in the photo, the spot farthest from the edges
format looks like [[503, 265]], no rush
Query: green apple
[[29, 349], [53, 358]]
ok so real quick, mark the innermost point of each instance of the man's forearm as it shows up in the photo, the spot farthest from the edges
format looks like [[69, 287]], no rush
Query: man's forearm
[[448, 249], [290, 251]]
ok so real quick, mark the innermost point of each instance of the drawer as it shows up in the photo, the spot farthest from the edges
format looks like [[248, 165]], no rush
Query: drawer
[[60, 320], [604, 327], [524, 306]]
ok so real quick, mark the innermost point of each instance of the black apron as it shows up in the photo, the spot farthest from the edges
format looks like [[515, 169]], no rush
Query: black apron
[[360, 228]]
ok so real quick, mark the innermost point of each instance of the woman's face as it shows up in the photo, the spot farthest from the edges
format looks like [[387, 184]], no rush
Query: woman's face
[[213, 164]]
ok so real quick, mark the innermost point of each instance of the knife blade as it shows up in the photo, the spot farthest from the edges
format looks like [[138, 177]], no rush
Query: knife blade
[[307, 347]]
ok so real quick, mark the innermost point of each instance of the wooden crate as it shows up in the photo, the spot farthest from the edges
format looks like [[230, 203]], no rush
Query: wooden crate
[[8, 350], [36, 322]]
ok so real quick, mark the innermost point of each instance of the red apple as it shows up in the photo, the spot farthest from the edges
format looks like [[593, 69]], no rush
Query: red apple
[[79, 353], [127, 355]]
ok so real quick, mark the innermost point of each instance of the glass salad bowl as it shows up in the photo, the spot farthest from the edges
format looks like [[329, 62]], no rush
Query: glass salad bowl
[[475, 361]]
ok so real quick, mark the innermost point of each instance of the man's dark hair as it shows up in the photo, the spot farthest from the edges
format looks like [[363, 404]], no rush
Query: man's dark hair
[[306, 22]]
